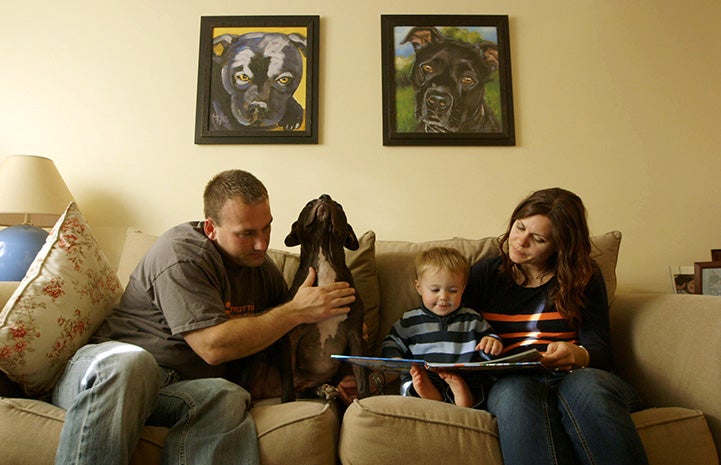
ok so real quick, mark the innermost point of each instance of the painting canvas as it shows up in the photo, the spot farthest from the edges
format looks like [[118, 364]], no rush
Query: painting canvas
[[447, 80], [257, 80]]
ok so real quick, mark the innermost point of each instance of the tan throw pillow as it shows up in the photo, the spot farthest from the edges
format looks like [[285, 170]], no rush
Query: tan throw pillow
[[65, 295], [605, 253]]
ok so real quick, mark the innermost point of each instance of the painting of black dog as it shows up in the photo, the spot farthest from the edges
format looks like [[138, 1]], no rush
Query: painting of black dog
[[449, 79], [253, 80]]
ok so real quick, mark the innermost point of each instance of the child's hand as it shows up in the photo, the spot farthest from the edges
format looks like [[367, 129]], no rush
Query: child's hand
[[490, 345]]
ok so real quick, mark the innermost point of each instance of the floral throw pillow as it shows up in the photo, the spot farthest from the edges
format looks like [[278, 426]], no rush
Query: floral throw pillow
[[65, 295]]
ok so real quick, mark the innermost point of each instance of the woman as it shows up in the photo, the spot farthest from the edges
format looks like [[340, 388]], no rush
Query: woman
[[545, 291]]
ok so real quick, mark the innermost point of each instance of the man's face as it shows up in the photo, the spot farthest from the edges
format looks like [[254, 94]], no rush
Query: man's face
[[243, 234]]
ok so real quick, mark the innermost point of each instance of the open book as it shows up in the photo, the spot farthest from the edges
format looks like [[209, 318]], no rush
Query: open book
[[527, 360]]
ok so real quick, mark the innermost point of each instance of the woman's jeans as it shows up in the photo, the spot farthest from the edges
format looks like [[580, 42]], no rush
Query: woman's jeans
[[111, 390], [582, 417]]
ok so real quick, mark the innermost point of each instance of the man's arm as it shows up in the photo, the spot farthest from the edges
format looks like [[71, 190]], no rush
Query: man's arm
[[240, 337]]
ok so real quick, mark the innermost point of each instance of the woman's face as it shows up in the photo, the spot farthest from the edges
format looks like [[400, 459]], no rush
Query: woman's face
[[530, 241]]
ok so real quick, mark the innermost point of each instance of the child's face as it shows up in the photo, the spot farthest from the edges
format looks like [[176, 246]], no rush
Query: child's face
[[441, 290]]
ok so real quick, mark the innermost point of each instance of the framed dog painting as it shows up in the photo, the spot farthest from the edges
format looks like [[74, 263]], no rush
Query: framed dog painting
[[258, 80], [446, 80]]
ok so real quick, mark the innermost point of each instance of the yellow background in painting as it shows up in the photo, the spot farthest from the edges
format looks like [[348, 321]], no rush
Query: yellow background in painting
[[299, 94]]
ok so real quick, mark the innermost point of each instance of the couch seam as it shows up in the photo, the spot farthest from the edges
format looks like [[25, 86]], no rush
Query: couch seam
[[14, 406], [315, 416], [668, 421], [430, 420]]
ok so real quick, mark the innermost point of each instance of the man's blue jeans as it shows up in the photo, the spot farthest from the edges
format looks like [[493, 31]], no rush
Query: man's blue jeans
[[582, 417], [111, 390]]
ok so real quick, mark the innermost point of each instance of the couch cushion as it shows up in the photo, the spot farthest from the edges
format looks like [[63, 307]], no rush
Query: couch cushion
[[301, 432], [395, 429], [605, 253], [667, 347], [136, 244], [395, 260], [65, 295], [24, 420], [674, 435], [283, 431]]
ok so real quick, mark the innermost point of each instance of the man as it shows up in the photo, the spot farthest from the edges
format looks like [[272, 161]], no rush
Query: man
[[202, 296]]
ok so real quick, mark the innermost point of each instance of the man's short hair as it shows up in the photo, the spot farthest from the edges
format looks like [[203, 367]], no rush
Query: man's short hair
[[231, 184]]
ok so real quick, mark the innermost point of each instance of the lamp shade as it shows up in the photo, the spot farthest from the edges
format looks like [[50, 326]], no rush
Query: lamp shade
[[33, 195], [31, 191]]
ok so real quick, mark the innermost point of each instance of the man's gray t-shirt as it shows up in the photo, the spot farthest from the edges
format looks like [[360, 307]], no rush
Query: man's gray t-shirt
[[183, 283]]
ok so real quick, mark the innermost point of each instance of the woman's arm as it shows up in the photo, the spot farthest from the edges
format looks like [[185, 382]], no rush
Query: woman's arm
[[594, 334]]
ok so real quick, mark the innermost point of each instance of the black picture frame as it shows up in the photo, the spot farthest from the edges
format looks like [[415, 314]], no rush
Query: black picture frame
[[280, 113], [408, 121], [707, 278]]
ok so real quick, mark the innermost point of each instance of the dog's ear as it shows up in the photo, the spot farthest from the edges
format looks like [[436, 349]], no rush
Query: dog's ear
[[292, 239], [221, 45], [419, 37], [299, 41], [351, 241], [489, 54]]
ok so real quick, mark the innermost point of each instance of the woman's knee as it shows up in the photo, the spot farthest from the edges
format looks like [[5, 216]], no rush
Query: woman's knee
[[509, 392], [597, 387]]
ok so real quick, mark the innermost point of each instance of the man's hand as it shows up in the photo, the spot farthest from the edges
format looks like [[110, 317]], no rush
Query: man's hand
[[313, 304]]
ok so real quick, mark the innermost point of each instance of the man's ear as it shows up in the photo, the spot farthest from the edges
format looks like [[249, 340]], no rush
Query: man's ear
[[209, 229], [418, 287]]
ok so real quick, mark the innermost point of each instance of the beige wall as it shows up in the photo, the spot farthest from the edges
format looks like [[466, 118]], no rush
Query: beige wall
[[617, 100]]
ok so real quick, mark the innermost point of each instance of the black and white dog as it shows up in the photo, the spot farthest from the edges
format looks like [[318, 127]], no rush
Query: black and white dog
[[322, 231], [253, 79], [449, 78]]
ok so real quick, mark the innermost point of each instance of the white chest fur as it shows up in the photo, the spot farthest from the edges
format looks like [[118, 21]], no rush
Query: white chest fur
[[326, 275]]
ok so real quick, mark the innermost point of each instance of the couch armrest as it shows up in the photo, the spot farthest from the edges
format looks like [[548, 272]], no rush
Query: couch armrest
[[668, 347]]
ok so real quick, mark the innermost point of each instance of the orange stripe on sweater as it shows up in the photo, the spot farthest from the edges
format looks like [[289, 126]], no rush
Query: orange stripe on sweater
[[526, 317]]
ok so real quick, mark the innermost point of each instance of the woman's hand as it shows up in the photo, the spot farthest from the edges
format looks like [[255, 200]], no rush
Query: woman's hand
[[563, 356]]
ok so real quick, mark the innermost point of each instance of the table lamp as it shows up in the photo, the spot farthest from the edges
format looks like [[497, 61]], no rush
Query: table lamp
[[33, 195]]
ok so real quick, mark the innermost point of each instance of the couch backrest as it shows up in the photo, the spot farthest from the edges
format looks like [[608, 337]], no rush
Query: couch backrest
[[383, 270], [394, 260]]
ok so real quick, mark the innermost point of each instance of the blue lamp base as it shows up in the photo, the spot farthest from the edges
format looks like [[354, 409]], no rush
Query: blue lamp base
[[18, 247]]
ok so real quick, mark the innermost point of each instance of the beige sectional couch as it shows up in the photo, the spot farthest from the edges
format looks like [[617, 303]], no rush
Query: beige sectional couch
[[667, 346]]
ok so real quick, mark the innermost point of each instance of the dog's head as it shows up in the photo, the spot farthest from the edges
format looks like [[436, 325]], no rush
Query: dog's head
[[259, 72], [449, 78], [322, 222]]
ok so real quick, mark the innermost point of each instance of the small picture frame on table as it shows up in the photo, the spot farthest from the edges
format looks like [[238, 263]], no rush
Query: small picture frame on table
[[682, 279], [707, 278]]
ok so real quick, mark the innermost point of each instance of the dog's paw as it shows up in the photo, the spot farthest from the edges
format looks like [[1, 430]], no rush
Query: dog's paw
[[326, 391]]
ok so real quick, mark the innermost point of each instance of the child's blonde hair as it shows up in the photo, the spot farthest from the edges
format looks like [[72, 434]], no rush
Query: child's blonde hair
[[442, 258]]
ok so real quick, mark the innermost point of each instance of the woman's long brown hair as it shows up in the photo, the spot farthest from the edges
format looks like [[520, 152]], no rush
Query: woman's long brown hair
[[571, 260]]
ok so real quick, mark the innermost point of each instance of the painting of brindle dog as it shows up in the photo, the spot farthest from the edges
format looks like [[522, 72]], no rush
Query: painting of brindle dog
[[449, 78]]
